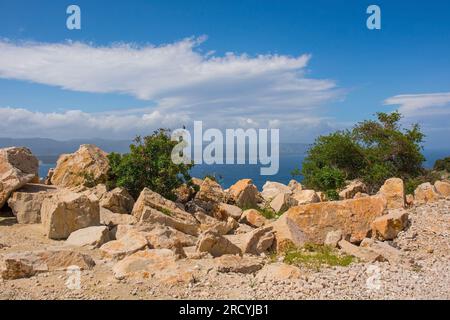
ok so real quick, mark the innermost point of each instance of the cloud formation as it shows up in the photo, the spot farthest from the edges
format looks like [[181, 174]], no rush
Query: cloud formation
[[183, 82], [428, 104]]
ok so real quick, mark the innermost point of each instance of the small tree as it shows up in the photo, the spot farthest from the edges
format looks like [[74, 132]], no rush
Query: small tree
[[149, 165], [374, 150]]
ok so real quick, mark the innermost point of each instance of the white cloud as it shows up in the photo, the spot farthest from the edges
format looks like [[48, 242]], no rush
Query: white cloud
[[183, 83], [421, 104]]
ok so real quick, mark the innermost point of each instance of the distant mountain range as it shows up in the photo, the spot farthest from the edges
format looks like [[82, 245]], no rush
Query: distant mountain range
[[48, 150]]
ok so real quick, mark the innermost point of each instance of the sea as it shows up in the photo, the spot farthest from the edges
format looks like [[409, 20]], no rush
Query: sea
[[227, 175]]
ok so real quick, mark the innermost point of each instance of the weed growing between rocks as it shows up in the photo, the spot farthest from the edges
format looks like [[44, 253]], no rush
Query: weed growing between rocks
[[316, 256]]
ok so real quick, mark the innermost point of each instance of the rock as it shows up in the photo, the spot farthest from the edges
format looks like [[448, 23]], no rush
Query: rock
[[65, 212], [333, 237], [389, 253], [361, 253], [132, 242], [360, 195], [322, 196], [278, 272], [153, 208], [353, 217], [394, 191], [255, 242], [352, 189], [161, 265], [112, 219], [215, 244], [224, 227], [48, 179], [245, 194], [18, 167], [409, 200], [425, 193], [387, 227], [224, 210], [26, 202], [118, 201], [282, 202], [88, 166], [273, 189], [184, 193], [162, 237], [121, 230], [443, 188], [295, 186], [210, 193], [243, 228], [26, 264], [287, 234], [253, 218], [96, 193], [237, 264], [305, 197], [89, 237]]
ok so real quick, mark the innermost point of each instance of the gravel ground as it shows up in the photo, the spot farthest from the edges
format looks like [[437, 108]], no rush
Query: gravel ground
[[426, 242]]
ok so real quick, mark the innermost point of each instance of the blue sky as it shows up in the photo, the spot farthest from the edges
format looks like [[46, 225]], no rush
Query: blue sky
[[306, 67]]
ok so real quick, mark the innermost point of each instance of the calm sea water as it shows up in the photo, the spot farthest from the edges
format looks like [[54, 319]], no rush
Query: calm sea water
[[229, 174]]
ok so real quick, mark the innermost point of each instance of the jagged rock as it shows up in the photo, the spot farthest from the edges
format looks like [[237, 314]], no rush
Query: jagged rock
[[162, 237], [237, 264], [89, 237], [89, 165], [224, 210], [361, 253], [305, 197], [216, 244], [389, 253], [360, 195], [394, 191], [253, 218], [245, 194], [243, 228], [278, 272], [48, 179], [96, 193], [333, 237], [210, 194], [255, 242], [160, 265], [184, 193], [295, 186], [26, 202], [443, 188], [26, 264], [112, 219], [65, 212], [273, 189], [388, 226], [153, 208], [118, 201], [132, 242], [287, 234], [18, 167], [425, 193], [353, 217], [120, 231], [282, 202], [351, 189], [409, 200]]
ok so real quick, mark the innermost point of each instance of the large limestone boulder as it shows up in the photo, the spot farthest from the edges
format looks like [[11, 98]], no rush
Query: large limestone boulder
[[255, 242], [224, 210], [26, 202], [362, 253], [65, 212], [425, 193], [272, 189], [18, 167], [26, 264], [352, 189], [151, 207], [111, 219], [253, 218], [216, 244], [282, 202], [394, 191], [208, 223], [287, 234], [245, 194], [238, 264], [92, 237], [278, 272], [443, 188], [388, 226], [210, 194], [87, 165], [132, 242], [117, 201], [163, 237], [354, 217], [305, 197]]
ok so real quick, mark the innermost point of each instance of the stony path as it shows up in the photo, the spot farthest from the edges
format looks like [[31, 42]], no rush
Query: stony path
[[426, 242]]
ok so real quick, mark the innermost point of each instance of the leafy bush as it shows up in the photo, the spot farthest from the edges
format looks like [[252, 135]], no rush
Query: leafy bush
[[442, 164], [148, 164], [374, 150]]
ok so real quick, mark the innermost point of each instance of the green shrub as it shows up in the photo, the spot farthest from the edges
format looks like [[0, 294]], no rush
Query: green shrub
[[374, 150], [148, 165], [442, 164]]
